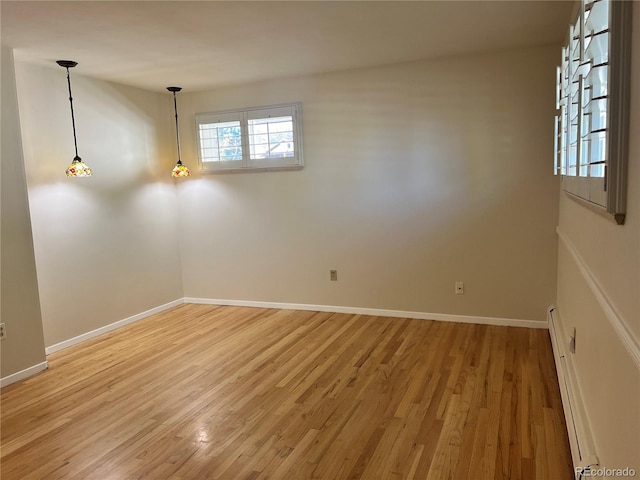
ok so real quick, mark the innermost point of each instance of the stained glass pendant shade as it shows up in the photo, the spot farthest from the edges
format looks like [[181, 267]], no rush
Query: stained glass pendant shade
[[179, 170], [77, 168]]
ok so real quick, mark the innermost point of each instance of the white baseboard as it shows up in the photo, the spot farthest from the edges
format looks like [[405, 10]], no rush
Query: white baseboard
[[442, 317], [302, 306], [112, 326], [284, 306], [583, 450], [21, 375]]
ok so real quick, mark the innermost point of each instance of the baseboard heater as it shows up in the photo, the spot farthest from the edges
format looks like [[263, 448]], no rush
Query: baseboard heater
[[580, 439]]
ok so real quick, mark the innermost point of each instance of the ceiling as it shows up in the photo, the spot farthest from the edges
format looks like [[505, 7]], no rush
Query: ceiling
[[207, 44]]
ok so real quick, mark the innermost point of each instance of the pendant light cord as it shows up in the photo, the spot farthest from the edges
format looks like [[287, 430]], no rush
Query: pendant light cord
[[175, 107], [73, 119]]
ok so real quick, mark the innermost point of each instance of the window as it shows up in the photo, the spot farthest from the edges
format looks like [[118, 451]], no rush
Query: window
[[592, 99], [264, 138]]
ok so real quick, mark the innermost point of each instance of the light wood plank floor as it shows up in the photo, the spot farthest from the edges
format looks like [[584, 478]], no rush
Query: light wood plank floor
[[234, 393]]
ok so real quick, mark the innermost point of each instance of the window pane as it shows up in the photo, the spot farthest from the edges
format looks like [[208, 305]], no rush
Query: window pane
[[596, 114], [585, 157], [597, 81], [221, 142], [209, 143], [597, 170], [271, 137], [262, 138], [598, 147], [597, 48], [258, 128], [597, 17], [281, 137], [282, 124]]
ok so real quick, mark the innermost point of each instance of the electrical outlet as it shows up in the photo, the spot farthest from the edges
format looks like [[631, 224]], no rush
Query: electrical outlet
[[3, 331], [459, 288], [333, 275]]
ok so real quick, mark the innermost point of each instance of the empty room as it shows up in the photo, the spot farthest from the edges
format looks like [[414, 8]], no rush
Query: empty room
[[320, 240]]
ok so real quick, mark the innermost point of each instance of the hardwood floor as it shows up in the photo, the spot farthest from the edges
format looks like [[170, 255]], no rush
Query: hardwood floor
[[203, 392]]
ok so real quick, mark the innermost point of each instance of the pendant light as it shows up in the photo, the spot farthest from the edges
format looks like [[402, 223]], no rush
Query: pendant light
[[77, 168], [179, 170]]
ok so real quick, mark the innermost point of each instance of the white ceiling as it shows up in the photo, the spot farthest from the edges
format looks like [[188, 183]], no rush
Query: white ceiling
[[205, 44]]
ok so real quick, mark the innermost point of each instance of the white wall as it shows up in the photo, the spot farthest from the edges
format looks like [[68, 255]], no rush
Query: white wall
[[601, 260], [20, 308], [417, 175], [106, 246]]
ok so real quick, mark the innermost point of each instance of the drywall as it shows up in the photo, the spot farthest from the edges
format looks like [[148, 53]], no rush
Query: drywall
[[606, 372], [106, 246], [20, 307], [609, 255], [416, 176]]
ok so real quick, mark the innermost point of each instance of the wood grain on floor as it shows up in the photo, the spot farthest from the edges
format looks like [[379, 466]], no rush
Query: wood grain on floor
[[211, 392]]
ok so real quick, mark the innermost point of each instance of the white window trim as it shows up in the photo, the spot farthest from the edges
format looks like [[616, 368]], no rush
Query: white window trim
[[247, 164]]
